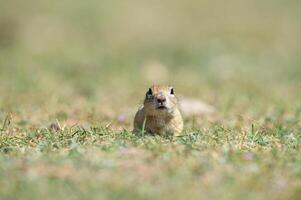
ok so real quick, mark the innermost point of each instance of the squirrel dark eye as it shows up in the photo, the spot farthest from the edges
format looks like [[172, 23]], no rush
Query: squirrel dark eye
[[172, 91], [149, 93]]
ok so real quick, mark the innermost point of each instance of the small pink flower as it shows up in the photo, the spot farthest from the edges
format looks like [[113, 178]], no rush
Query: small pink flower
[[122, 118], [248, 156]]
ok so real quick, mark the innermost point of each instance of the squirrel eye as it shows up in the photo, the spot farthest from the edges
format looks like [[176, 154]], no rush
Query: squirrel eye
[[149, 92], [172, 91]]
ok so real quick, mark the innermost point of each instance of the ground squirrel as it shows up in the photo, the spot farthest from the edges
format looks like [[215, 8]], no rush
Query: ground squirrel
[[160, 113]]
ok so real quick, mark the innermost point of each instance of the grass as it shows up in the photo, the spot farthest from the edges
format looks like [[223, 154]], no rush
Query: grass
[[217, 162], [73, 74]]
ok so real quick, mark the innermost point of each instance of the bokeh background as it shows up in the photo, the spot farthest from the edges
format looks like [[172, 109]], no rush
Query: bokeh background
[[93, 60], [73, 73]]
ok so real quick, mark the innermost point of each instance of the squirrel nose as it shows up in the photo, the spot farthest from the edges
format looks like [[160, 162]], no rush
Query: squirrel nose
[[161, 99]]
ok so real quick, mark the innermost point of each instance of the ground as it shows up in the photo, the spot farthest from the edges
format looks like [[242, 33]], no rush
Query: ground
[[72, 76]]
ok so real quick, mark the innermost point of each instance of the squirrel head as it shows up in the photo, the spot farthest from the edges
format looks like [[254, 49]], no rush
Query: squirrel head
[[160, 100]]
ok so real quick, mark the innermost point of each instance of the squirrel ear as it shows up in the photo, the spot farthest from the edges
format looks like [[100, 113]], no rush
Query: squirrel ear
[[172, 91]]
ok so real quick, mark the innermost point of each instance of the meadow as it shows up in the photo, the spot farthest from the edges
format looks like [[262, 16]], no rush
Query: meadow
[[73, 74]]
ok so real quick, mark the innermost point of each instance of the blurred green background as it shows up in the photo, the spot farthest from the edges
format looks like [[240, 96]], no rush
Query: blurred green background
[[73, 73], [104, 54]]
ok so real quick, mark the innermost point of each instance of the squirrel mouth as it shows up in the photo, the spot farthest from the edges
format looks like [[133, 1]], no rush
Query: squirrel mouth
[[161, 107]]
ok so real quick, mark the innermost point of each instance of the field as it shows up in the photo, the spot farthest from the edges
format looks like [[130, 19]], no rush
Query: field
[[73, 73]]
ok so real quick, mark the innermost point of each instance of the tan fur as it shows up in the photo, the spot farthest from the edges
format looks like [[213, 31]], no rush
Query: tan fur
[[167, 121]]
